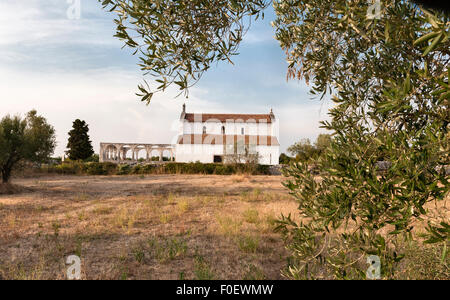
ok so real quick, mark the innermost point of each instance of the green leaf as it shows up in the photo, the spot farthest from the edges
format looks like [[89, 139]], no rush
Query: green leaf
[[433, 44]]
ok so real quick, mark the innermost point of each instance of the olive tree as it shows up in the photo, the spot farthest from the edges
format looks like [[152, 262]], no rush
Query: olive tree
[[178, 41], [386, 68], [388, 76], [24, 139]]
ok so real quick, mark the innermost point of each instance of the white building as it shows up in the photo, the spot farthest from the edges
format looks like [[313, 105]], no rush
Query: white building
[[211, 138]]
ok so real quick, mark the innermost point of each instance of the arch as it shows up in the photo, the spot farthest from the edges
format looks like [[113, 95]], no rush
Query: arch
[[112, 152], [136, 152], [126, 152], [140, 153], [154, 154], [167, 154]]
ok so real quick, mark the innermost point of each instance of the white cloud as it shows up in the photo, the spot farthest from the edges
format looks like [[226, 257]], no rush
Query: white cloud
[[299, 121], [259, 37], [106, 99], [37, 22], [103, 94]]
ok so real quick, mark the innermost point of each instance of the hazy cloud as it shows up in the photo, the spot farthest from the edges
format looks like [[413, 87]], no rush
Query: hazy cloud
[[69, 69]]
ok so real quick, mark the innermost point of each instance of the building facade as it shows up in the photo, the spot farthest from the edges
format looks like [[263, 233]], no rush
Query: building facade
[[209, 138]]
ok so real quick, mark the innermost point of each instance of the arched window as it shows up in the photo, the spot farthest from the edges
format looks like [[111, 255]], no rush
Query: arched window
[[223, 129], [204, 129], [242, 131]]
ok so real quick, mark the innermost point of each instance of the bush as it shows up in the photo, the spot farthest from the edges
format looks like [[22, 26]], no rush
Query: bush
[[96, 168], [70, 168], [137, 169], [224, 170], [99, 168], [148, 169], [93, 158], [124, 170], [263, 170]]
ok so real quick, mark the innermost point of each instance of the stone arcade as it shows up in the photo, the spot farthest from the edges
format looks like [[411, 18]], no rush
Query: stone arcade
[[117, 152]]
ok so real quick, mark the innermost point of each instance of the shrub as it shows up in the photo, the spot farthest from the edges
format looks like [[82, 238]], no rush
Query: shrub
[[124, 170], [93, 158], [209, 168], [263, 170], [95, 168], [224, 170], [148, 169], [70, 167], [137, 169], [107, 168]]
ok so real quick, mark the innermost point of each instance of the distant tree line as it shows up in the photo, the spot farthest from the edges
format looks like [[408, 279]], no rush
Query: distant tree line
[[32, 140]]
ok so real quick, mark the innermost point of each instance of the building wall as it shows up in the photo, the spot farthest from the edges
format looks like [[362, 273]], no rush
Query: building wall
[[201, 153], [269, 155], [231, 128]]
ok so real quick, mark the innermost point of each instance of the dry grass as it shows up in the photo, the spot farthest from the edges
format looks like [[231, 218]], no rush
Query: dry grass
[[160, 227], [10, 189], [152, 227]]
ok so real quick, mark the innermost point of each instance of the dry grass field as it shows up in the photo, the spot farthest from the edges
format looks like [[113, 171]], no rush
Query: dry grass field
[[161, 227], [144, 227]]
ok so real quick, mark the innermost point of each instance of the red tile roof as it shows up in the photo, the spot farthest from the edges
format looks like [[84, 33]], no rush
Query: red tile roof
[[217, 139], [259, 118]]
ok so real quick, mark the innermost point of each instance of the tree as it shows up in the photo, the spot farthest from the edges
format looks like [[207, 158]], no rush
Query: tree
[[79, 145], [388, 76], [303, 150], [29, 139], [163, 32], [284, 159], [389, 81], [437, 5], [179, 40], [322, 143]]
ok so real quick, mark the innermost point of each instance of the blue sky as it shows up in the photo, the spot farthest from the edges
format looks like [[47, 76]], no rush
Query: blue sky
[[68, 69]]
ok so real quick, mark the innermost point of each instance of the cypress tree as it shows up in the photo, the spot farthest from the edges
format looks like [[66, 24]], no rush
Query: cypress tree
[[79, 145]]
